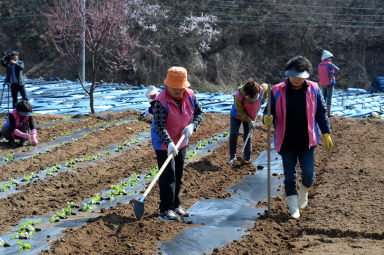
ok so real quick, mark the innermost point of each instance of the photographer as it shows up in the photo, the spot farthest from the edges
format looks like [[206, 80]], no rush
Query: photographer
[[14, 73]]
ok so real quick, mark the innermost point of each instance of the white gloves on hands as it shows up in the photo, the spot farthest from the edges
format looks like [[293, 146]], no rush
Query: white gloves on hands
[[146, 113], [188, 130], [172, 149]]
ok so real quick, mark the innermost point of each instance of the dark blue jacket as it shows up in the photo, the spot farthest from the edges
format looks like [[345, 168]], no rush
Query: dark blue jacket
[[19, 67]]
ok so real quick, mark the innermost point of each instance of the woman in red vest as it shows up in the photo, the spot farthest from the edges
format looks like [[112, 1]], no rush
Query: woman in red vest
[[327, 79], [297, 110], [18, 124], [247, 101], [176, 111]]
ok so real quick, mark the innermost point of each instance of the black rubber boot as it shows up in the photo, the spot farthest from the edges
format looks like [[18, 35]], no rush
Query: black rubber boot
[[12, 144], [22, 142]]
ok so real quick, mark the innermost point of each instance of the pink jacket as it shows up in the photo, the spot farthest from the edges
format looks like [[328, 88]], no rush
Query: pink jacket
[[250, 108], [175, 121], [326, 74], [17, 119], [279, 93]]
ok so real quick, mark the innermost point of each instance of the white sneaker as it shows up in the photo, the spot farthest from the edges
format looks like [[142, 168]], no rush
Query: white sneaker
[[231, 160], [293, 208], [180, 211], [170, 215]]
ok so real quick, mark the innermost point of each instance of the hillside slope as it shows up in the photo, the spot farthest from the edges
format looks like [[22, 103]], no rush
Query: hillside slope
[[237, 40]]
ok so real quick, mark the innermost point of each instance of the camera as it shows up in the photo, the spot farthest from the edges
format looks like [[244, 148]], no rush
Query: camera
[[7, 56]]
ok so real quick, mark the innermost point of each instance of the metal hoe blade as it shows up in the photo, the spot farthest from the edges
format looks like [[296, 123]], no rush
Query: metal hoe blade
[[139, 209], [139, 205]]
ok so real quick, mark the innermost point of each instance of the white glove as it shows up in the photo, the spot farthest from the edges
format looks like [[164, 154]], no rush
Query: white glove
[[172, 149], [188, 130], [146, 113]]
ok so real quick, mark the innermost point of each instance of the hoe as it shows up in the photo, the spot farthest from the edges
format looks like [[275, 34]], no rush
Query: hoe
[[139, 205]]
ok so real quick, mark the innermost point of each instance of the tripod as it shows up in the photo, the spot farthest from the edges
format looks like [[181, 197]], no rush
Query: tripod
[[2, 93]]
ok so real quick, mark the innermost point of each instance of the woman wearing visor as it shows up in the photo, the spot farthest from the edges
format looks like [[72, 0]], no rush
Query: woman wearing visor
[[297, 110], [18, 124], [247, 101]]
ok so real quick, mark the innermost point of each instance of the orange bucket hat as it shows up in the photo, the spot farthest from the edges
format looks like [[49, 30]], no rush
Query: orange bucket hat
[[177, 78]]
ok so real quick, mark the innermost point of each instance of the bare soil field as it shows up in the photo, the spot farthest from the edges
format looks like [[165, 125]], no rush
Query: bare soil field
[[345, 213]]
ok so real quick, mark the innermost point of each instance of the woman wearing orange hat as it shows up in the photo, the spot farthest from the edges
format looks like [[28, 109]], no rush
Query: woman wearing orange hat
[[176, 111]]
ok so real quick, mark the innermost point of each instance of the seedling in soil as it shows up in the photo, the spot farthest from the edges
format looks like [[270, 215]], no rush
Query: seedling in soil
[[50, 172], [72, 205], [117, 190], [95, 200], [61, 215], [27, 229], [86, 207], [7, 185], [71, 163], [118, 148], [29, 177], [67, 211], [53, 219], [124, 183], [153, 172], [23, 246], [4, 188], [8, 159]]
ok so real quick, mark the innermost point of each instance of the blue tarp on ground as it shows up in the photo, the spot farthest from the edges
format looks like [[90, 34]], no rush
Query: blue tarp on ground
[[377, 85], [66, 97]]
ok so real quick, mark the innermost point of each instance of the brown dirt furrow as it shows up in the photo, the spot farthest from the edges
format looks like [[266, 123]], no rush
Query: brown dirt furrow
[[44, 196], [207, 178], [343, 216], [345, 204], [92, 143]]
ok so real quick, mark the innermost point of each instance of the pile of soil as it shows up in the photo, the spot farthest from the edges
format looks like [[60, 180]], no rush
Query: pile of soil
[[344, 214]]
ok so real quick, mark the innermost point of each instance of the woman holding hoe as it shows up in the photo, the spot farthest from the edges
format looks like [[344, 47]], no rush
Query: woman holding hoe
[[176, 112], [247, 101], [297, 109]]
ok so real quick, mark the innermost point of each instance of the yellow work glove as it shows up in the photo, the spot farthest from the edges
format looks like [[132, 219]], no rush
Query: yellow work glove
[[268, 120], [328, 141]]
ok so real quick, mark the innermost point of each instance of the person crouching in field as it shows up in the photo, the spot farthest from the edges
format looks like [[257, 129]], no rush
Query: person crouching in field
[[297, 109], [151, 94], [17, 126], [176, 111], [247, 101]]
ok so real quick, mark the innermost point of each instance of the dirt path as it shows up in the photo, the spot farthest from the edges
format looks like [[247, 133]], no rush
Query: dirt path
[[344, 215]]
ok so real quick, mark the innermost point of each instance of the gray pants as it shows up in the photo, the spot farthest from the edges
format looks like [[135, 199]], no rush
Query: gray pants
[[327, 94]]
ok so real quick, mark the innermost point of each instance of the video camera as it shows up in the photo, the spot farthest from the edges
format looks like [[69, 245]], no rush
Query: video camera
[[7, 56]]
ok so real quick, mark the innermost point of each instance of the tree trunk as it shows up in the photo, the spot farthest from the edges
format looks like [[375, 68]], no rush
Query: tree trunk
[[91, 102]]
